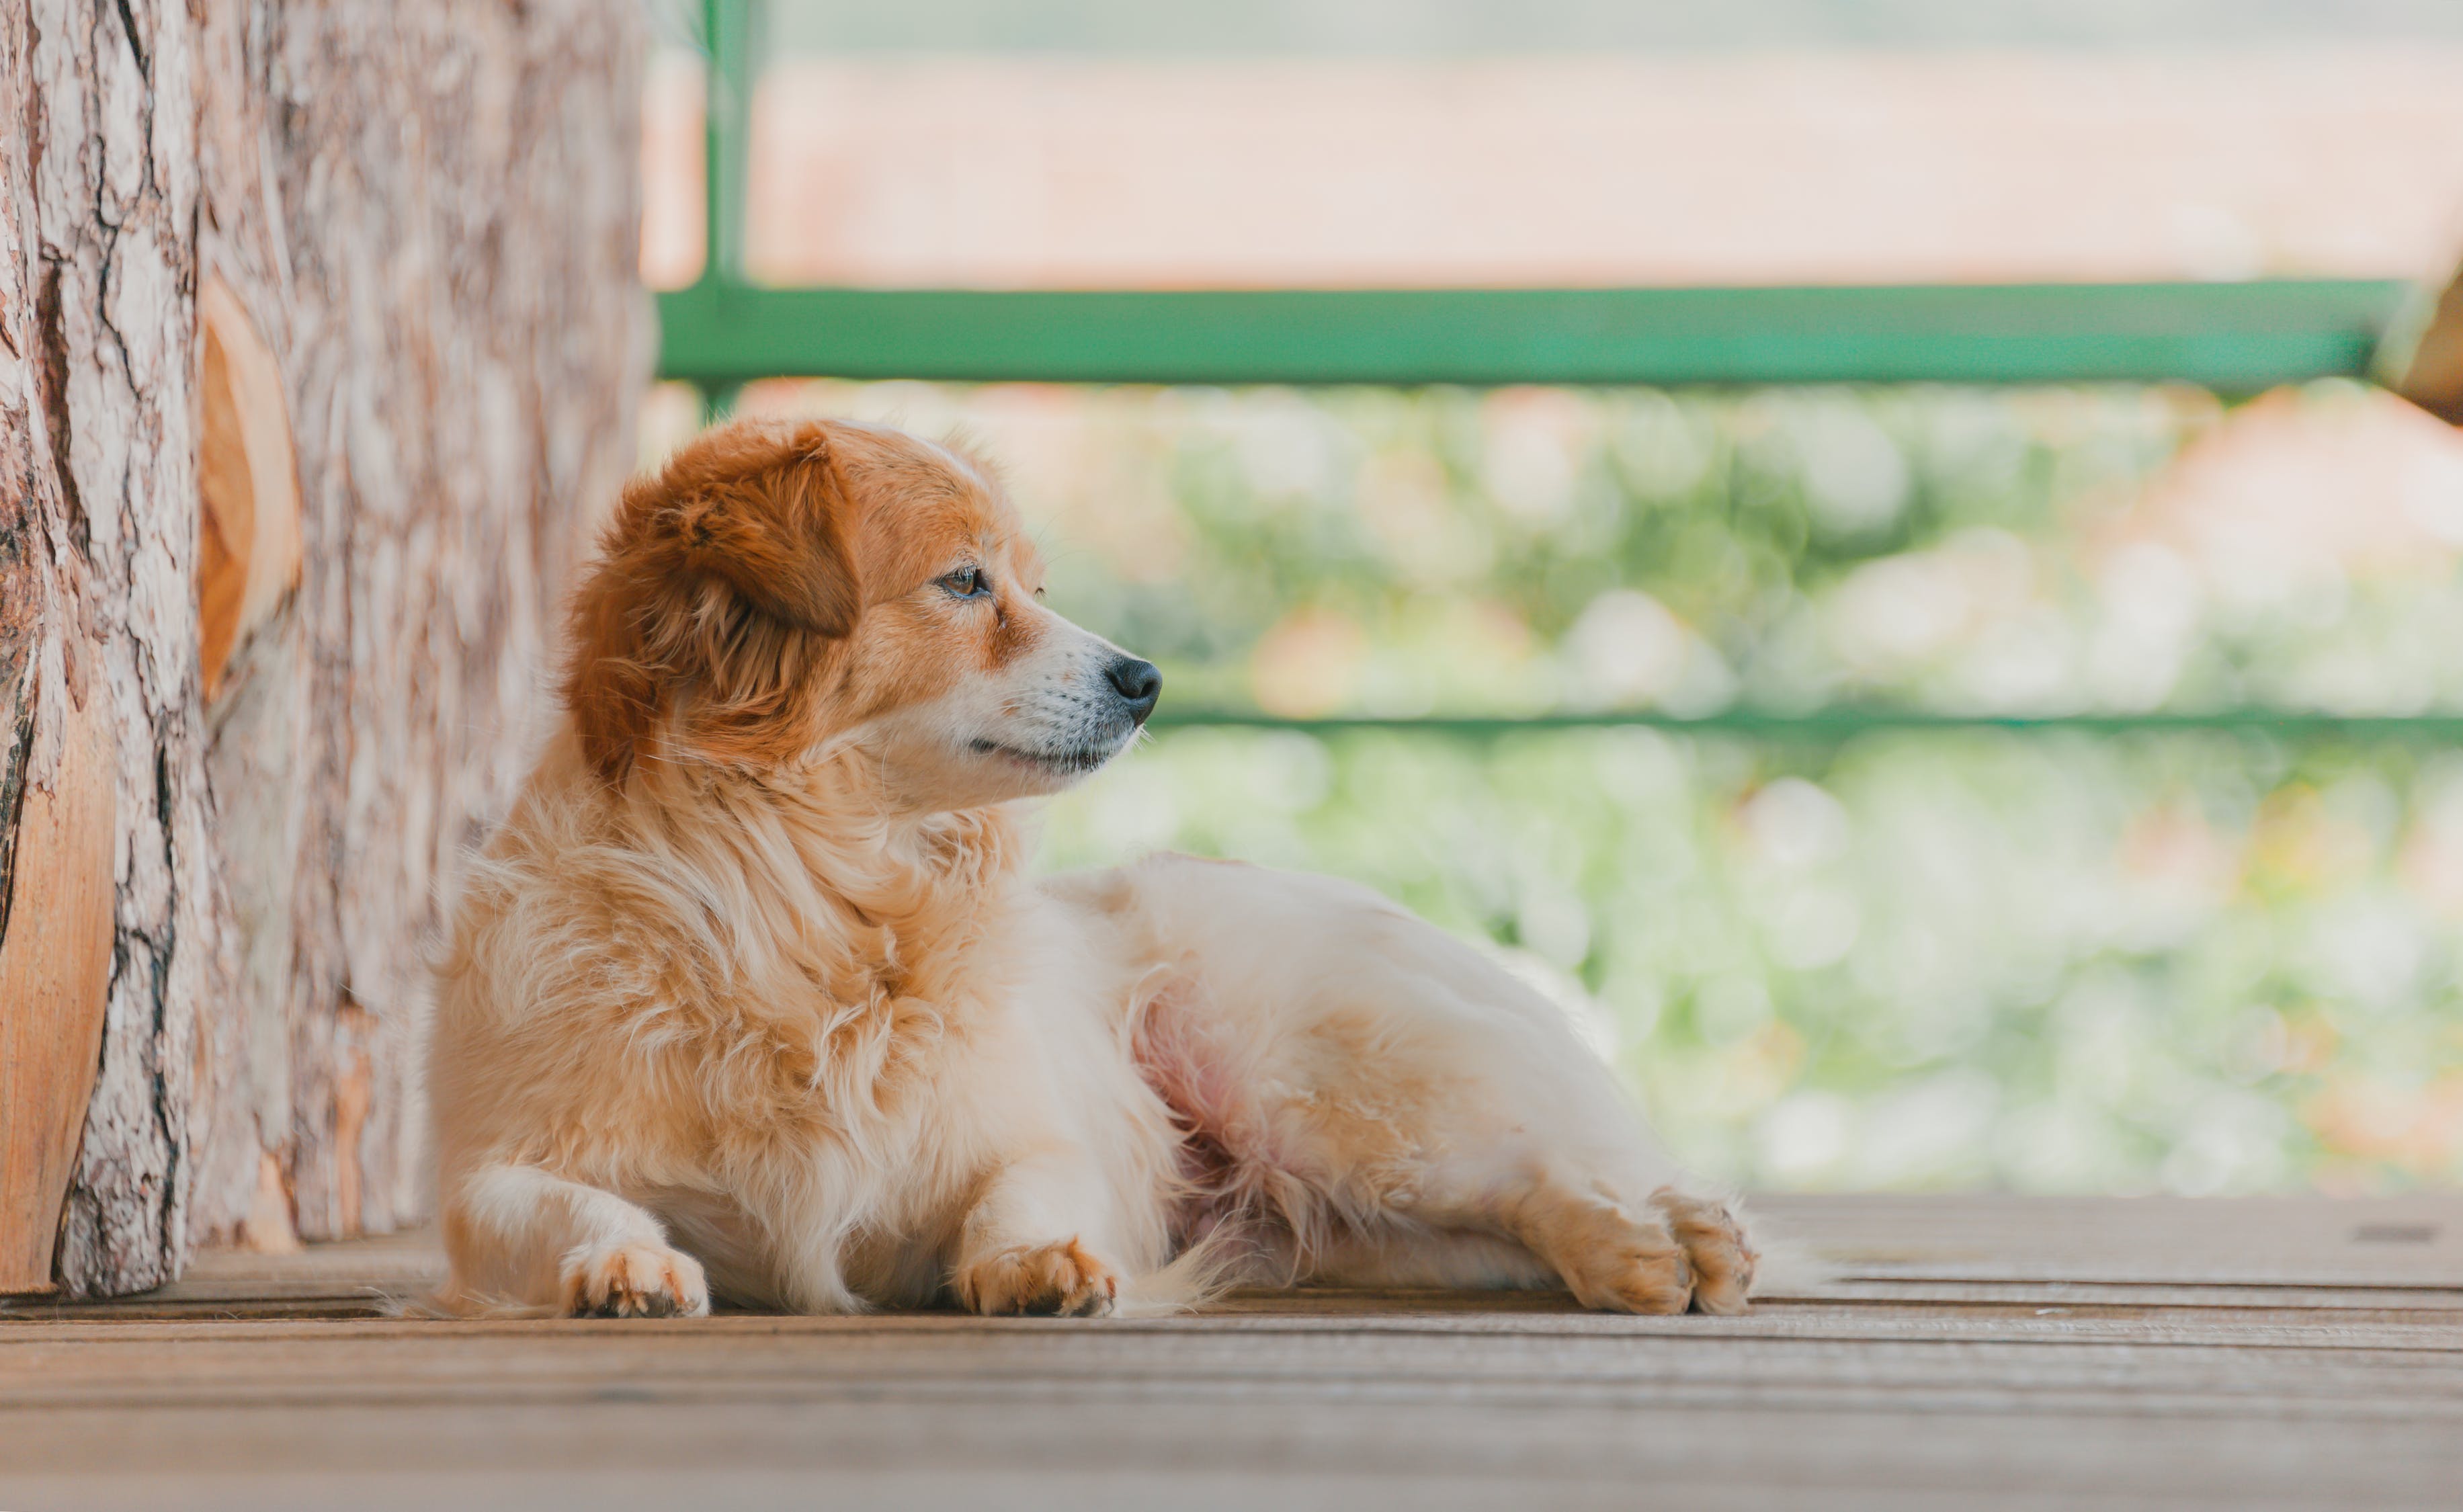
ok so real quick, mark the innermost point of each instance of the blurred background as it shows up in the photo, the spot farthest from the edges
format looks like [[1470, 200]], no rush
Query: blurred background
[[2147, 934]]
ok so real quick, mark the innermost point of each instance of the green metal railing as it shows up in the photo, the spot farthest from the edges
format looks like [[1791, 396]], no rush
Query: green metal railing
[[2235, 338], [1834, 724]]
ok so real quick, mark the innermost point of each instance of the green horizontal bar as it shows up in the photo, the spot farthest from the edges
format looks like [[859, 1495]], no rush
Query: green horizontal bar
[[2234, 338], [1840, 723]]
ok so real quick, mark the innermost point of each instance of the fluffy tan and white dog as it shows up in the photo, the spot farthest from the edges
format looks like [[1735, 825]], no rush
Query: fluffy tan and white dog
[[751, 996]]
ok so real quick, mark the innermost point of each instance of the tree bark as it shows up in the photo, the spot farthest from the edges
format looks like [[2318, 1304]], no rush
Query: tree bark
[[320, 336]]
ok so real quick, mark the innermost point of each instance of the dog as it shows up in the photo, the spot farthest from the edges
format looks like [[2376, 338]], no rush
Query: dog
[[750, 995]]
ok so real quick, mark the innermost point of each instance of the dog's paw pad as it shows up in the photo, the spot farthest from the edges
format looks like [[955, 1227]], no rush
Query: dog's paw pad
[[1062, 1279], [634, 1280], [1722, 1258]]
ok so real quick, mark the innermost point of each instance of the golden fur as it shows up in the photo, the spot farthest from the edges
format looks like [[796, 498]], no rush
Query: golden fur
[[750, 993]]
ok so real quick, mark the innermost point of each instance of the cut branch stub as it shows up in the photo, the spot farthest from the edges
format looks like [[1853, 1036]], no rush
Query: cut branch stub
[[54, 976], [247, 529], [2425, 362]]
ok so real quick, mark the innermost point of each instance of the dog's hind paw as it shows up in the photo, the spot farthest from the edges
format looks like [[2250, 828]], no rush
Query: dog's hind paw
[[1721, 1257], [634, 1280], [1683, 1252], [1063, 1279], [1642, 1271]]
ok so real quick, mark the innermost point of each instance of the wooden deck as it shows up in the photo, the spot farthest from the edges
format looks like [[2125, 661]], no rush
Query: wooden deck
[[1973, 1352]]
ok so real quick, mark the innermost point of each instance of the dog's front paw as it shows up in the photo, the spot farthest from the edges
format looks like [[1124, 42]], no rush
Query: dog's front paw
[[634, 1280], [1063, 1279]]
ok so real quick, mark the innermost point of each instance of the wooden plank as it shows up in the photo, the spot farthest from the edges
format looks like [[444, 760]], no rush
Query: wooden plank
[[2412, 1241], [2321, 1251], [2438, 1331], [55, 941], [1101, 1451], [1919, 1292], [2189, 1423], [700, 1375]]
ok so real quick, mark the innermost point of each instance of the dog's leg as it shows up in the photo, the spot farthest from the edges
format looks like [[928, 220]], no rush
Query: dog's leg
[[518, 1233], [1663, 1254], [1681, 1252], [1021, 1249], [1360, 1066]]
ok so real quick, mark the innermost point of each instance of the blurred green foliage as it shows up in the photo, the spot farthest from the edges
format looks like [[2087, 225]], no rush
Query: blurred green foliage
[[1460, 532]]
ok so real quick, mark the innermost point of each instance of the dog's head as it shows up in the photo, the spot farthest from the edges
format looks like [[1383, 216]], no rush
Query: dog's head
[[777, 589]]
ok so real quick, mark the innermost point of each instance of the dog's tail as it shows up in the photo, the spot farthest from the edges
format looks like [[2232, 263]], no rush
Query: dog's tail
[[450, 1301], [1785, 1265], [1196, 1276]]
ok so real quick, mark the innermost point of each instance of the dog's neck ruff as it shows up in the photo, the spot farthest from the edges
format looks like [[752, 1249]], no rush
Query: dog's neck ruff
[[822, 840]]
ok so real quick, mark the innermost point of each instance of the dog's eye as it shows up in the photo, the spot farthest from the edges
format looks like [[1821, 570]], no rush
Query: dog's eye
[[967, 582]]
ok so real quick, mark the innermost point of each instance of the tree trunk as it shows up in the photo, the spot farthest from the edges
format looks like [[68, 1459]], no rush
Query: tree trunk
[[320, 336]]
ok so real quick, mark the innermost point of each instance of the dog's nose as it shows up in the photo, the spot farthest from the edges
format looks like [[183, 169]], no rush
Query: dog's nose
[[1137, 684]]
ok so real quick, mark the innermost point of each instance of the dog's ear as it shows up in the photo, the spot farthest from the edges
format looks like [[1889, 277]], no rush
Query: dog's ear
[[744, 514], [780, 536]]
